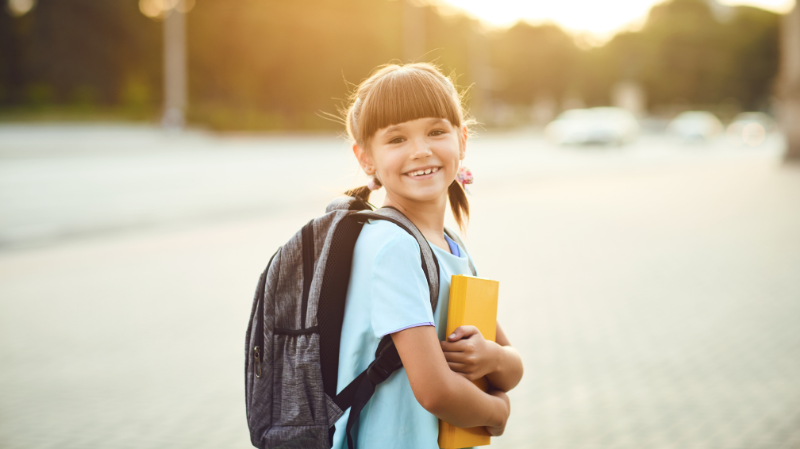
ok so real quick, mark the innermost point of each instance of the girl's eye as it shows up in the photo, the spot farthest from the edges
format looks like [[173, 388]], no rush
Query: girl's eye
[[437, 132], [396, 140]]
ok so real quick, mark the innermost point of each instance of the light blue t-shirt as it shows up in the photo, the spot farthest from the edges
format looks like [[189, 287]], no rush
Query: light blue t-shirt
[[388, 292]]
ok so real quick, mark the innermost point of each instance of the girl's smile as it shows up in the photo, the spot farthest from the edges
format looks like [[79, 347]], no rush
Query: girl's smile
[[422, 173]]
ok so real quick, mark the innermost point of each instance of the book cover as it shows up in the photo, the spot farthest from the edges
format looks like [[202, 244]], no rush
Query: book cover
[[473, 301]]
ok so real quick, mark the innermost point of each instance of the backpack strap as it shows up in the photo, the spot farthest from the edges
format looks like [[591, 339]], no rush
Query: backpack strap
[[356, 395], [430, 265], [453, 236], [360, 390]]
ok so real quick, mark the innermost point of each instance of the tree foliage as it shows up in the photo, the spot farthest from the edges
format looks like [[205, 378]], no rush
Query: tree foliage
[[261, 64]]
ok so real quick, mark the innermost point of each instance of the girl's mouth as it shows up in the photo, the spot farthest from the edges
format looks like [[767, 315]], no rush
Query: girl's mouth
[[423, 173]]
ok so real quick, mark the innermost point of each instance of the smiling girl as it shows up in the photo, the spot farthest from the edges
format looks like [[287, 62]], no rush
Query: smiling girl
[[410, 136]]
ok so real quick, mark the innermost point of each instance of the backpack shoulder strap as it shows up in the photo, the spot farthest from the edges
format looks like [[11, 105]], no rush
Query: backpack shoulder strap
[[454, 237], [356, 395], [430, 265]]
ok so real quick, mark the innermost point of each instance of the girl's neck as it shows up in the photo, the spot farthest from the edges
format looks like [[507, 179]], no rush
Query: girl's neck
[[427, 216]]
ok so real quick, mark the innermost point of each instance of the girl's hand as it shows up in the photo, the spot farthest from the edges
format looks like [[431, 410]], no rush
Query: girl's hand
[[498, 430], [469, 354]]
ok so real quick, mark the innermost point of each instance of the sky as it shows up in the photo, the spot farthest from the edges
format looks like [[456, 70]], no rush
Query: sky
[[598, 18]]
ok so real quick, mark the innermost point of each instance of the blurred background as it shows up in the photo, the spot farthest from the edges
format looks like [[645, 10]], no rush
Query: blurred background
[[262, 65], [636, 194]]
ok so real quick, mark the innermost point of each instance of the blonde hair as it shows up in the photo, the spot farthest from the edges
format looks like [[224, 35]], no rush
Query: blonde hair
[[395, 94]]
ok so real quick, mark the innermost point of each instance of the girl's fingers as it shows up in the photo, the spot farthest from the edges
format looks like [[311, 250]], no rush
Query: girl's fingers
[[457, 346], [452, 347], [459, 368], [463, 332], [455, 357]]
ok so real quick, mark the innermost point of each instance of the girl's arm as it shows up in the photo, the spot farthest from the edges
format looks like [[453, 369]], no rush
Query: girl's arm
[[443, 392], [472, 356]]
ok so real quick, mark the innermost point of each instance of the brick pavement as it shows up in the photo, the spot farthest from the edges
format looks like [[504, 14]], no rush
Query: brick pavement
[[655, 307]]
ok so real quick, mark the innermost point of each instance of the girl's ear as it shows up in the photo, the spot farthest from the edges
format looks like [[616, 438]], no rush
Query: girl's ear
[[463, 146], [364, 159]]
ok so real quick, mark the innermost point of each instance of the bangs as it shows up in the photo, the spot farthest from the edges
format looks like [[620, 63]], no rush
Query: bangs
[[407, 93]]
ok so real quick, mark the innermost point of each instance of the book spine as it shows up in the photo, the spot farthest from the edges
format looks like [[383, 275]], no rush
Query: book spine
[[456, 309]]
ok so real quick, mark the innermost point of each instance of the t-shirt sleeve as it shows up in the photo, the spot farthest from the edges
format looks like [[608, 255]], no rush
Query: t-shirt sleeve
[[399, 290]]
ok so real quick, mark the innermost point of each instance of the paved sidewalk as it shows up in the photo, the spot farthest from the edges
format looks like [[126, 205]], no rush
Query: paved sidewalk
[[655, 304], [653, 310]]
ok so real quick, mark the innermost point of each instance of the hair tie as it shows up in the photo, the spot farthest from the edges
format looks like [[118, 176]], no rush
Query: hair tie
[[464, 177], [374, 183]]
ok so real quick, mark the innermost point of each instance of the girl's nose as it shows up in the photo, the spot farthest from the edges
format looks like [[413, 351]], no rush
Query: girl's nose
[[420, 148]]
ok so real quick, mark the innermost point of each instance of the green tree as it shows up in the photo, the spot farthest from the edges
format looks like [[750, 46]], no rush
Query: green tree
[[534, 61]]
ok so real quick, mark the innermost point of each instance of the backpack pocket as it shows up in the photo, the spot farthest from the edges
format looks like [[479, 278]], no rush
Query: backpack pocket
[[298, 395]]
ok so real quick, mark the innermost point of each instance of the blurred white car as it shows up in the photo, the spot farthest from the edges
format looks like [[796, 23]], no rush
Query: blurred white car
[[695, 126], [750, 128], [593, 126]]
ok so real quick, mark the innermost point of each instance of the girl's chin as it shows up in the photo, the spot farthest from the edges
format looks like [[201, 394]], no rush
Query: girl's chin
[[428, 194], [418, 190]]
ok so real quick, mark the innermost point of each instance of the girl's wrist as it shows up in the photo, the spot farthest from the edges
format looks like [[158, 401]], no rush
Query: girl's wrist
[[498, 358]]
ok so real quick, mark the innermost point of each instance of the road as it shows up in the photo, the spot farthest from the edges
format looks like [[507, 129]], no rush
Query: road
[[652, 290]]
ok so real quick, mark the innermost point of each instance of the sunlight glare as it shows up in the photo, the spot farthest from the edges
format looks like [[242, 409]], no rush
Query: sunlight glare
[[20, 7], [781, 6], [601, 19], [575, 15], [158, 9]]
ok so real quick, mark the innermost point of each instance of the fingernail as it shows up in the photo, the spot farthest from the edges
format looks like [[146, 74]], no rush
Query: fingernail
[[453, 335]]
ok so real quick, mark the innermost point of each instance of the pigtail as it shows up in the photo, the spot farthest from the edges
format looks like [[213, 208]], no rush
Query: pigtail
[[459, 204], [359, 192]]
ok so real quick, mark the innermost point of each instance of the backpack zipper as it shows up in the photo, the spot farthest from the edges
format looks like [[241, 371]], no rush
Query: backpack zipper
[[257, 358]]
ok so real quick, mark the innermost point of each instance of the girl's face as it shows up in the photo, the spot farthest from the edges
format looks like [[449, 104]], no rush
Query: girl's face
[[415, 160]]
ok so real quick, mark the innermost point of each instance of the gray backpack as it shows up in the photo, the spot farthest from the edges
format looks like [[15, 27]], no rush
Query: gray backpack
[[292, 345]]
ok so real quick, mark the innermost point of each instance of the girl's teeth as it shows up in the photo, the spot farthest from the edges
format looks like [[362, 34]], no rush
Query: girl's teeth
[[425, 172]]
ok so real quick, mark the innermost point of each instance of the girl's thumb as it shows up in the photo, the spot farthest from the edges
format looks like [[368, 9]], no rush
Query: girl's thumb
[[463, 332], [455, 335]]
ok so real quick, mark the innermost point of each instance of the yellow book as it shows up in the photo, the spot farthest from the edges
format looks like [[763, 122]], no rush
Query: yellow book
[[473, 301]]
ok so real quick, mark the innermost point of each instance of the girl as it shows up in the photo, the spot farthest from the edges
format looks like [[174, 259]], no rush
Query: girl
[[409, 134]]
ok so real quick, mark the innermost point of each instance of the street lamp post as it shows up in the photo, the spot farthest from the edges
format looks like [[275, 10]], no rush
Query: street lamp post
[[480, 73], [790, 83], [175, 91], [413, 31]]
